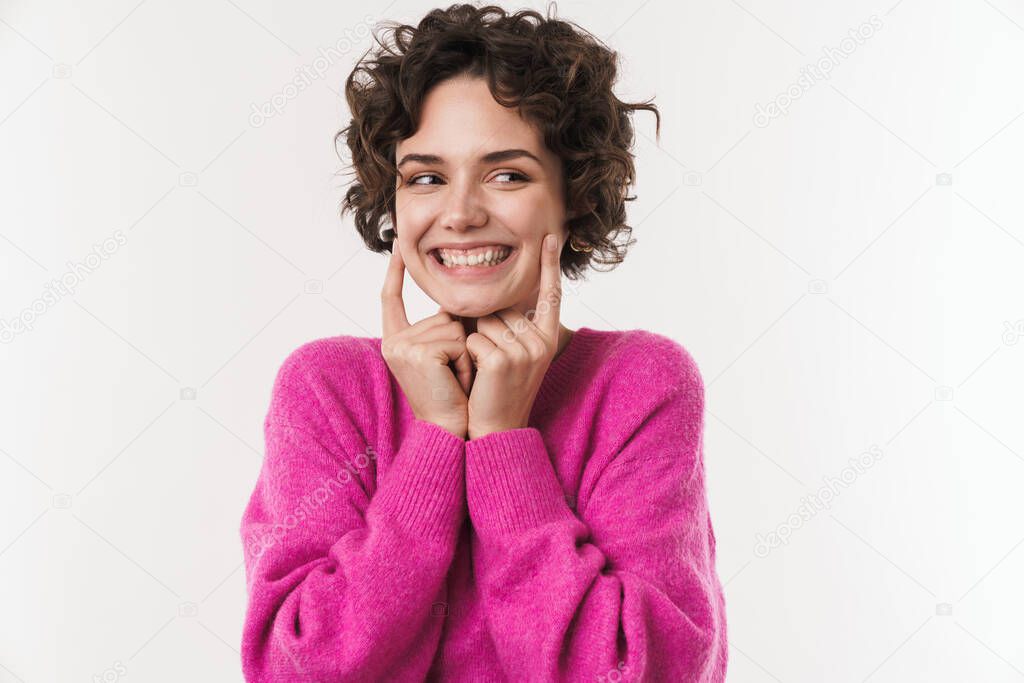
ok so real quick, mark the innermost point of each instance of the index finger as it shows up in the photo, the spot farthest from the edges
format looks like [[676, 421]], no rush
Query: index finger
[[392, 304], [549, 298]]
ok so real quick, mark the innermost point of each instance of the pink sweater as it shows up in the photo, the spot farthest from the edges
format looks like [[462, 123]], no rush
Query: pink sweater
[[380, 547]]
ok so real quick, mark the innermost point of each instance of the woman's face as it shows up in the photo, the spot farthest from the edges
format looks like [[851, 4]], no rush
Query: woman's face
[[450, 194]]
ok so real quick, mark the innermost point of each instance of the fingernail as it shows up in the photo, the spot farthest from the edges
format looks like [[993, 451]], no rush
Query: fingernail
[[550, 242]]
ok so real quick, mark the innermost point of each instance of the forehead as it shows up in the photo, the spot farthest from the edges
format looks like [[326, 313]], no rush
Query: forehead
[[460, 120]]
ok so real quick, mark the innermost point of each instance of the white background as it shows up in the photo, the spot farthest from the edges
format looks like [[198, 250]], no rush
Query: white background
[[848, 276]]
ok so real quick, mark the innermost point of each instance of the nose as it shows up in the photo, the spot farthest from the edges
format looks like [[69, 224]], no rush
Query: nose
[[463, 208]]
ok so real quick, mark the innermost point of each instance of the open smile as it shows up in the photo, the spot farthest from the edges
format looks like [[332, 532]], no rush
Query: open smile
[[473, 263]]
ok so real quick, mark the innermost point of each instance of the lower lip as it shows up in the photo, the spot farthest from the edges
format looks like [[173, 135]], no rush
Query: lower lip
[[473, 272]]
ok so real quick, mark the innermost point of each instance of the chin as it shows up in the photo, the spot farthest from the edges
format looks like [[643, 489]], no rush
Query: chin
[[471, 309]]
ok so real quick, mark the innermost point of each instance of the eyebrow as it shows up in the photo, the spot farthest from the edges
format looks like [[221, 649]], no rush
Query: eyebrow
[[489, 158]]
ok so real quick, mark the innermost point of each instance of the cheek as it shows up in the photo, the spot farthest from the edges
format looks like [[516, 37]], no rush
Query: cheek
[[529, 218], [412, 223]]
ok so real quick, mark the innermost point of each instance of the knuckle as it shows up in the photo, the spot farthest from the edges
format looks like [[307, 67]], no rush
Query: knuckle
[[416, 353], [399, 349]]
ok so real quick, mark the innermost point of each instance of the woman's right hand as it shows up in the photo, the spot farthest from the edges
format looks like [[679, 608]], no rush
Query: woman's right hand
[[418, 356]]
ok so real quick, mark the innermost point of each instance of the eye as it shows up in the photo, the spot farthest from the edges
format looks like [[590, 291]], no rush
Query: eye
[[514, 173], [522, 177], [412, 181]]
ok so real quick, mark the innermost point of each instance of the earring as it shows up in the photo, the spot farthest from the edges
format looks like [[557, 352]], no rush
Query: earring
[[572, 245], [383, 230]]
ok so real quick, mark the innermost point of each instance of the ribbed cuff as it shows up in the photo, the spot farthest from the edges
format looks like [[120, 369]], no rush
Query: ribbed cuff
[[424, 490], [511, 484]]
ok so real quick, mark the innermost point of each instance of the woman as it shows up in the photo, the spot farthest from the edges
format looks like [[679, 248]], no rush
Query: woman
[[485, 495]]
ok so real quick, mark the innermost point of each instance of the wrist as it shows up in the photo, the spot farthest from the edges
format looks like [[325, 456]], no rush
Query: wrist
[[479, 432], [460, 432]]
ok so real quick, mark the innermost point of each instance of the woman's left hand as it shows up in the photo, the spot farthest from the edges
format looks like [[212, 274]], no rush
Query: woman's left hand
[[512, 353]]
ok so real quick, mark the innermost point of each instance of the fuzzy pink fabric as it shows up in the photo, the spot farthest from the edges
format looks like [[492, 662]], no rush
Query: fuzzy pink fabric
[[379, 547]]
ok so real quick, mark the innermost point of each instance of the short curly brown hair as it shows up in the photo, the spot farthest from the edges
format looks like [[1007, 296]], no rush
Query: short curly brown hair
[[558, 75]]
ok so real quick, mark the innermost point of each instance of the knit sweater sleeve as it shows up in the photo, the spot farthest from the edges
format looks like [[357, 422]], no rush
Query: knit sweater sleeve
[[340, 583], [627, 588]]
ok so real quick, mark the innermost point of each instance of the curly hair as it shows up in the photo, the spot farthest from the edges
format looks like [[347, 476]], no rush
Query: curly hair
[[557, 75]]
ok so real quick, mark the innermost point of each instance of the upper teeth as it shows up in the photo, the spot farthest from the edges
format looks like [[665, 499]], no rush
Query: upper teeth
[[473, 257]]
